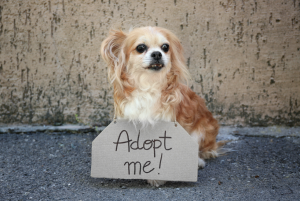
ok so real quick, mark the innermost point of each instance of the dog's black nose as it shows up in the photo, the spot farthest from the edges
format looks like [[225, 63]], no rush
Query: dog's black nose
[[156, 55]]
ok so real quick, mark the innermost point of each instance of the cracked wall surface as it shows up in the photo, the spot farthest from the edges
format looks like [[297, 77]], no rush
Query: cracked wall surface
[[243, 55]]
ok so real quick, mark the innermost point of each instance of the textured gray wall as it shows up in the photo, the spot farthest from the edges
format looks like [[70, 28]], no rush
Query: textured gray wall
[[244, 57]]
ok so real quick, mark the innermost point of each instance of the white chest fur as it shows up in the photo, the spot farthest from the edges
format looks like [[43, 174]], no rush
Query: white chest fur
[[144, 106]]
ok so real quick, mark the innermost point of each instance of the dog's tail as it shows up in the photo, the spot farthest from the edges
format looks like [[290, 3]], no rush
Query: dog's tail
[[216, 151], [220, 149]]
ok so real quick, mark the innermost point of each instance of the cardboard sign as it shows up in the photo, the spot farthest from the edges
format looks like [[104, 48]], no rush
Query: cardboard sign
[[162, 152]]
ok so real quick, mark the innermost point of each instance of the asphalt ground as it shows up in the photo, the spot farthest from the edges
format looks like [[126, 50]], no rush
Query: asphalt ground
[[56, 166]]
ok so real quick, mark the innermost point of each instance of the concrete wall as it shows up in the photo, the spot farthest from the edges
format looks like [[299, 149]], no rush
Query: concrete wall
[[244, 57]]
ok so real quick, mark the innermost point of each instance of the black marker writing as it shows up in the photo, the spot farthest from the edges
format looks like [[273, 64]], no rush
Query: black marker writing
[[147, 163], [118, 142], [160, 160], [165, 141], [147, 144]]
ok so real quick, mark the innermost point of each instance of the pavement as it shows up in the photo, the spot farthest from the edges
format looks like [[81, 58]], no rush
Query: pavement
[[36, 164]]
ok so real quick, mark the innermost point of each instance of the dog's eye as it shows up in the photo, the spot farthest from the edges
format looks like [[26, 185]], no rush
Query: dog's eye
[[141, 48], [165, 47]]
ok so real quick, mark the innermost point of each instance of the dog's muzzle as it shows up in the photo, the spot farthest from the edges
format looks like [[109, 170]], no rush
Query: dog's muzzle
[[157, 62]]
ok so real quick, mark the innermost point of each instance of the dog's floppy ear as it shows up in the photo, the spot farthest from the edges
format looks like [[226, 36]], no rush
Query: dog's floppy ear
[[112, 53], [177, 56]]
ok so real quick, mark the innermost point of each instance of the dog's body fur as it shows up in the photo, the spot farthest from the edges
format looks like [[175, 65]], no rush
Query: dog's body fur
[[149, 85]]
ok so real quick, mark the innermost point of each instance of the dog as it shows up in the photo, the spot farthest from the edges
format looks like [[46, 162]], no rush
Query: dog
[[147, 69]]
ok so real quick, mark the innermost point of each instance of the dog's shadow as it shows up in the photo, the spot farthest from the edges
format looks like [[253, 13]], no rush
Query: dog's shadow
[[135, 184]]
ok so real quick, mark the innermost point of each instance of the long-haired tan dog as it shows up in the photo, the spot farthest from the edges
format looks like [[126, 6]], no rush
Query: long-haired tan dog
[[148, 72]]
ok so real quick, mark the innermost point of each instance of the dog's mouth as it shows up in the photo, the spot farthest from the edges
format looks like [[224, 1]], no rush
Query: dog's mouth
[[156, 66]]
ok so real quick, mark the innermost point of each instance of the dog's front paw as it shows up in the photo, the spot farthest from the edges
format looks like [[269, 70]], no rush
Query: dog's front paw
[[156, 183], [201, 163]]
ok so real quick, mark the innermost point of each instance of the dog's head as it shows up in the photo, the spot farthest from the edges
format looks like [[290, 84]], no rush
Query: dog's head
[[144, 55]]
